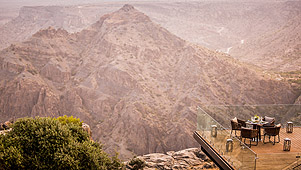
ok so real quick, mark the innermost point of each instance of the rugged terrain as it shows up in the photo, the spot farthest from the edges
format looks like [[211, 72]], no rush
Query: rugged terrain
[[218, 25], [134, 82], [278, 50], [32, 19]]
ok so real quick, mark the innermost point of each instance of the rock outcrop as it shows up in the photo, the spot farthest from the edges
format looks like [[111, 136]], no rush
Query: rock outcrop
[[6, 125], [87, 128], [190, 159]]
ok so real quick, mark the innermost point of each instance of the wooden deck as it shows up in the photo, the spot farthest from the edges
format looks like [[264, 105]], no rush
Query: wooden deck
[[278, 147], [273, 157]]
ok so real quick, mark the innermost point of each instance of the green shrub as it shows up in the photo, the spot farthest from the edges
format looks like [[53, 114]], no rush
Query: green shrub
[[67, 120], [50, 143]]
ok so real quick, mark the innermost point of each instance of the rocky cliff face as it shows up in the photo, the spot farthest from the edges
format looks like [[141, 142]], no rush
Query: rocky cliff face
[[191, 159], [132, 81]]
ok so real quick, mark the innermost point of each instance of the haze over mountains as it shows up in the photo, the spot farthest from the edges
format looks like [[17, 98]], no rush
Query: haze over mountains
[[249, 31], [261, 50], [134, 82], [218, 25], [32, 19]]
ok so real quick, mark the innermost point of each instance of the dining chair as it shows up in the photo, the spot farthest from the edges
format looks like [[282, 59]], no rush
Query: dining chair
[[272, 131], [248, 133], [237, 124]]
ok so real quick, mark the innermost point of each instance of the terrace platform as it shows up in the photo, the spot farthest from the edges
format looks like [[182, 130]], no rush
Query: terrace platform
[[260, 157]]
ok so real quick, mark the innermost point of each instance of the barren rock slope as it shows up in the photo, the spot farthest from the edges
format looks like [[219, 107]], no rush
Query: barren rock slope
[[135, 83], [278, 50]]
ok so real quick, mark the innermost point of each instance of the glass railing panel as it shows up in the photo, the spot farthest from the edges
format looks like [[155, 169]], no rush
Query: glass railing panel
[[232, 149]]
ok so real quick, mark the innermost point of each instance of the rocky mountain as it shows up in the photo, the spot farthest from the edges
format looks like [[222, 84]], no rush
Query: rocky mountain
[[136, 84], [277, 50], [218, 25], [33, 18]]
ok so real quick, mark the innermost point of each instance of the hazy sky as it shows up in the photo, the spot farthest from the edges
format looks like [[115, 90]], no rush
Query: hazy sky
[[62, 2], [47, 2], [9, 6]]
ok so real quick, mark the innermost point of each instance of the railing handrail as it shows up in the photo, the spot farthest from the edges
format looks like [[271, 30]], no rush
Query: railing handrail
[[287, 108]]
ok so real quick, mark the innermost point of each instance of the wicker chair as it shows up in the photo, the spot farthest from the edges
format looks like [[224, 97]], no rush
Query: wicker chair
[[250, 134], [237, 125], [272, 131], [270, 120]]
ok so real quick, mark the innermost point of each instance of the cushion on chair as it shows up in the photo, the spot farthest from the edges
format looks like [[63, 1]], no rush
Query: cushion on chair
[[235, 120], [269, 119], [279, 125]]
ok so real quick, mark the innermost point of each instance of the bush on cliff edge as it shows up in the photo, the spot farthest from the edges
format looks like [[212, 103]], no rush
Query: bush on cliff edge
[[46, 143]]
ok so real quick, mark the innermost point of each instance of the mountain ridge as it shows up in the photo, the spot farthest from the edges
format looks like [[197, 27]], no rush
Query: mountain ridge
[[136, 84]]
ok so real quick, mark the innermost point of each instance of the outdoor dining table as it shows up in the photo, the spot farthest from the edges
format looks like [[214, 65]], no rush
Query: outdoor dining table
[[257, 125]]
